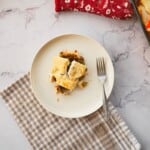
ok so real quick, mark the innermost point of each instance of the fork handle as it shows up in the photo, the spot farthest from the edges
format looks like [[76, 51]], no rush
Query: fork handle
[[105, 105]]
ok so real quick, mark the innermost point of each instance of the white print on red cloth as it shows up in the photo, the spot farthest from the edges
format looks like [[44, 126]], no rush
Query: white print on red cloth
[[108, 11], [111, 8], [67, 1], [75, 1], [105, 4], [111, 1], [119, 7], [82, 4], [88, 7], [126, 4], [75, 9]]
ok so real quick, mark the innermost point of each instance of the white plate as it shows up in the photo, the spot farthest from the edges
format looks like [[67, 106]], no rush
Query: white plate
[[82, 101]]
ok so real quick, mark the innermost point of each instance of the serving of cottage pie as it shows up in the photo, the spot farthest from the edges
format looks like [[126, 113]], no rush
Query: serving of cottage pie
[[68, 71]]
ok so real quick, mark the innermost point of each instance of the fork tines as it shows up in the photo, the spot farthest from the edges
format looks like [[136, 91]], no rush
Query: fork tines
[[100, 64]]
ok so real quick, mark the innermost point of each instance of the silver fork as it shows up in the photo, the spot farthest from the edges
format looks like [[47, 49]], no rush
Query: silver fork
[[101, 74]]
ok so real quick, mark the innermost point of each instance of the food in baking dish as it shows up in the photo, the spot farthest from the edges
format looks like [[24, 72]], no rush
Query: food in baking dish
[[144, 10]]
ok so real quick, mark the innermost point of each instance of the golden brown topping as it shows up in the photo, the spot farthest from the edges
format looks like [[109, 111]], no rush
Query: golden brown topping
[[52, 79], [68, 71], [59, 65], [76, 70], [82, 84]]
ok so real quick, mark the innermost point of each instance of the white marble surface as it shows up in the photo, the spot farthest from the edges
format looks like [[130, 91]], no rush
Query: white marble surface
[[26, 24]]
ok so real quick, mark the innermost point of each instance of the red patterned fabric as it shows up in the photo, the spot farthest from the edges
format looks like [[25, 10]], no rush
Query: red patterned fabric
[[117, 9]]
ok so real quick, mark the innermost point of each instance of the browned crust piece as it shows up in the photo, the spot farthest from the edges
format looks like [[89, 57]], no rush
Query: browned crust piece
[[62, 90], [52, 79], [72, 56]]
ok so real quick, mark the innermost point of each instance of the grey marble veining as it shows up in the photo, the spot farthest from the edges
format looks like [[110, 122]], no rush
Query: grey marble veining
[[26, 25]]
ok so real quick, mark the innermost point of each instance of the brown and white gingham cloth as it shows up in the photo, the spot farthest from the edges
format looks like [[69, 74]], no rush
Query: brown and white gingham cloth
[[46, 131]]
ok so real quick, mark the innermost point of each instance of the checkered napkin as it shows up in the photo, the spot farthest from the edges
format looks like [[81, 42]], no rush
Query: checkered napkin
[[46, 131]]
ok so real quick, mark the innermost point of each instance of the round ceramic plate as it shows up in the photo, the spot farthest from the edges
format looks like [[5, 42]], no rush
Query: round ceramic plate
[[80, 102]]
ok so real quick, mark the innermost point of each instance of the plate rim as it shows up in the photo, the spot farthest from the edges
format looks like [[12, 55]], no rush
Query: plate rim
[[31, 77]]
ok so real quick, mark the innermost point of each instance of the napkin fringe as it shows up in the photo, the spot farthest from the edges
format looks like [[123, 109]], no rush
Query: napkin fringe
[[124, 125]]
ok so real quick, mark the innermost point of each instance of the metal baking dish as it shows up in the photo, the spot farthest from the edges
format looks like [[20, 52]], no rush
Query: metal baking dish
[[135, 6]]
